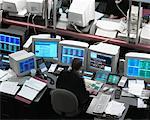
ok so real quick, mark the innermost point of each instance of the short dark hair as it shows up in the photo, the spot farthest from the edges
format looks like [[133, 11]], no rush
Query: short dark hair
[[76, 64]]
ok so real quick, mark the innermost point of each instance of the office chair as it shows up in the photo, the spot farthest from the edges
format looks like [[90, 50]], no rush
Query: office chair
[[64, 103]]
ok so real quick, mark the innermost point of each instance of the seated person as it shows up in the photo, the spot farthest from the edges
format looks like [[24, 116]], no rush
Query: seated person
[[72, 81], [114, 10]]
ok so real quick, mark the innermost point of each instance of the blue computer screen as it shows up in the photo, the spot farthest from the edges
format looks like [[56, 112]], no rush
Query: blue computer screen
[[26, 65], [113, 79], [138, 68], [100, 61], [68, 53], [9, 43], [102, 76], [46, 49]]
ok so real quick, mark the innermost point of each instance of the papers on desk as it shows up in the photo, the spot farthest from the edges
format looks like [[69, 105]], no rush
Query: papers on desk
[[9, 87], [31, 88], [10, 73], [115, 108], [2, 73], [110, 25], [141, 104], [136, 87]]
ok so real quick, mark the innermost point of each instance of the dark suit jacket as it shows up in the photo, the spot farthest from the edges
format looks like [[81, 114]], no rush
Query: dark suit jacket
[[71, 81]]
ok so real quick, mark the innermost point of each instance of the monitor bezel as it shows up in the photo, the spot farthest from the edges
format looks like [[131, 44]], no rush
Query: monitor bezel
[[84, 67], [46, 40], [92, 69], [22, 41], [132, 77]]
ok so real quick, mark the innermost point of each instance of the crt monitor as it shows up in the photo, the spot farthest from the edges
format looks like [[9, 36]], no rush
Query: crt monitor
[[69, 49], [81, 12], [38, 6], [15, 6], [137, 66], [103, 56], [45, 48], [22, 62]]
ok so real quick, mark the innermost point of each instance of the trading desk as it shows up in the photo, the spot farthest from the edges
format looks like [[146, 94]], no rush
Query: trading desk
[[130, 104]]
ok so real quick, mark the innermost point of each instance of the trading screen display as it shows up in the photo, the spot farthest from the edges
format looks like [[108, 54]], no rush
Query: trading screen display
[[100, 61], [46, 49], [26, 65], [138, 68], [102, 76], [9, 43], [68, 53], [113, 79]]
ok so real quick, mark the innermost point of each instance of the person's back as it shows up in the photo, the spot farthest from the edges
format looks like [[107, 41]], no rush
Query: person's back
[[72, 81]]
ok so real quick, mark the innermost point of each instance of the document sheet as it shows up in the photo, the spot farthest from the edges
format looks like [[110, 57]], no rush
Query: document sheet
[[9, 87], [31, 88]]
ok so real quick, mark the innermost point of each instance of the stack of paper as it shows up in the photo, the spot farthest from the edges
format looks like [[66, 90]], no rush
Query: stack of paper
[[9, 87], [31, 88], [10, 73], [136, 87], [115, 108]]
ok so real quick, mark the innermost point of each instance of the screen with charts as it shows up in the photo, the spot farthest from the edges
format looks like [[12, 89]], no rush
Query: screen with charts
[[102, 76], [100, 61], [69, 52], [26, 65], [9, 43], [113, 79], [138, 68], [46, 49]]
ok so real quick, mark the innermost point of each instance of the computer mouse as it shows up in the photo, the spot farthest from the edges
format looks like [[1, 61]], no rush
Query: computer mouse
[[105, 88]]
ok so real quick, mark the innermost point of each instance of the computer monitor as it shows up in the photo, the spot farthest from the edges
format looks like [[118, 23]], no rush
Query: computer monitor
[[113, 79], [9, 43], [22, 62], [38, 6], [103, 56], [45, 48], [101, 76], [81, 12], [69, 49], [15, 6], [12, 39], [137, 66]]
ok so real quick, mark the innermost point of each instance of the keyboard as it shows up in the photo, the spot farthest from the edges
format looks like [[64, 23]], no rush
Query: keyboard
[[102, 103]]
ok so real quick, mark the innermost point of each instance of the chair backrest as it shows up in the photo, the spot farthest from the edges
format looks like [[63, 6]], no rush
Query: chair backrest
[[64, 102]]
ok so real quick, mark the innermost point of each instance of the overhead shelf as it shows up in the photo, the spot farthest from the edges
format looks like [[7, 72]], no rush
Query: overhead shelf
[[88, 37]]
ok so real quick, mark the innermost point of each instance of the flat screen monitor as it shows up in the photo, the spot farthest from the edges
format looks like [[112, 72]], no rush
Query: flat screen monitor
[[103, 56], [137, 66], [113, 79], [12, 39], [45, 48], [73, 49], [101, 76], [9, 43]]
